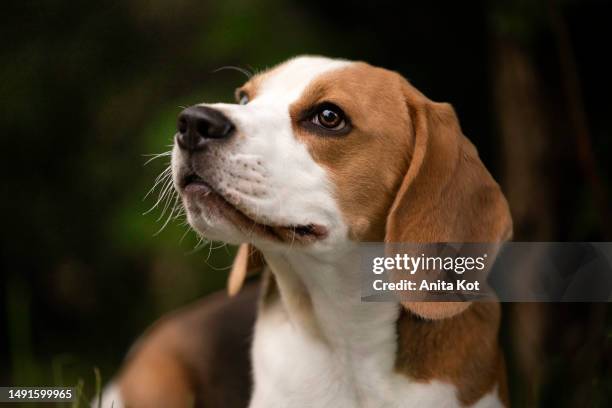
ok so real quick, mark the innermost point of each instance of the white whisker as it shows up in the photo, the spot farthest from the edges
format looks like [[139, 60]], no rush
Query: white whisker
[[169, 217], [243, 71], [162, 178], [166, 196], [156, 156]]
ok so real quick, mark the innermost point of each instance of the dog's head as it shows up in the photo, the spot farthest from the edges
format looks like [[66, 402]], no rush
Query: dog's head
[[318, 153]]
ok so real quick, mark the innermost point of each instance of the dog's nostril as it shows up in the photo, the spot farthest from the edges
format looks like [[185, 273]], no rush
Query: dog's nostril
[[202, 127], [182, 125], [304, 229]]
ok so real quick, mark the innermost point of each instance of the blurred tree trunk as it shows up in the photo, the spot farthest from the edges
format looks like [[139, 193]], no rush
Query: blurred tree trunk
[[525, 140], [525, 135], [541, 132], [577, 118]]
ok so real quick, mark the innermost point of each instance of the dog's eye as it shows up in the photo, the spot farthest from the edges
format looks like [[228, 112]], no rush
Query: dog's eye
[[329, 117], [243, 98]]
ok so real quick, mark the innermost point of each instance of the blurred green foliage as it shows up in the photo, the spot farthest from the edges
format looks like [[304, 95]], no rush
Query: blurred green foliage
[[89, 90]]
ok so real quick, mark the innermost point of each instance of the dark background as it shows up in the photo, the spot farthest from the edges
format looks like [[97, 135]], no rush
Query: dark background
[[88, 88]]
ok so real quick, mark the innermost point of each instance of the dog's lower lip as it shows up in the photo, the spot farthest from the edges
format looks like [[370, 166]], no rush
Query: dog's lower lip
[[194, 180], [194, 186], [197, 186]]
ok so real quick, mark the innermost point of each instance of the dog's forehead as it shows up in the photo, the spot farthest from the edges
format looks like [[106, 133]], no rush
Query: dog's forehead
[[288, 80]]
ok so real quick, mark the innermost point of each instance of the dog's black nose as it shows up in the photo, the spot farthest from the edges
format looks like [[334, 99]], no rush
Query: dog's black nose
[[198, 124]]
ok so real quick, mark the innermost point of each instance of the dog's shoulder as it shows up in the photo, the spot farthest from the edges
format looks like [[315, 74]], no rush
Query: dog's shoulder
[[197, 355]]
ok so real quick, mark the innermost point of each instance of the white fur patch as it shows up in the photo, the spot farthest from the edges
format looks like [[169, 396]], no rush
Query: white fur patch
[[354, 364], [111, 397]]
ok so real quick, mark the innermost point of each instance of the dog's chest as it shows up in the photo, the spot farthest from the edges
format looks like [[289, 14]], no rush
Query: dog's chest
[[293, 369]]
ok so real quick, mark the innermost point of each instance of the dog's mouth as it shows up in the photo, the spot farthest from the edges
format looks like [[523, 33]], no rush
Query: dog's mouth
[[195, 188]]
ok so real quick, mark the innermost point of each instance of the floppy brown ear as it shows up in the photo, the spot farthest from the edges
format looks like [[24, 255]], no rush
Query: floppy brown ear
[[447, 194], [248, 260]]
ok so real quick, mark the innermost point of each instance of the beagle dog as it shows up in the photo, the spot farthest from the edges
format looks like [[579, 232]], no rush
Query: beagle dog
[[319, 155]]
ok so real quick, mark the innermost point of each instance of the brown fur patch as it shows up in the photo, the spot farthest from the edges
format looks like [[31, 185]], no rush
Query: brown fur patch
[[250, 88], [198, 356], [462, 350], [248, 261], [366, 165]]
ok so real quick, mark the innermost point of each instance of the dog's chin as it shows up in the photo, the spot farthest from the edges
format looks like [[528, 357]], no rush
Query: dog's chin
[[215, 218], [215, 229], [209, 216]]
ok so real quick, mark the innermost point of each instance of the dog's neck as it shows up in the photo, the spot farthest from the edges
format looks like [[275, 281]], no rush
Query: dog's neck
[[322, 296]]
